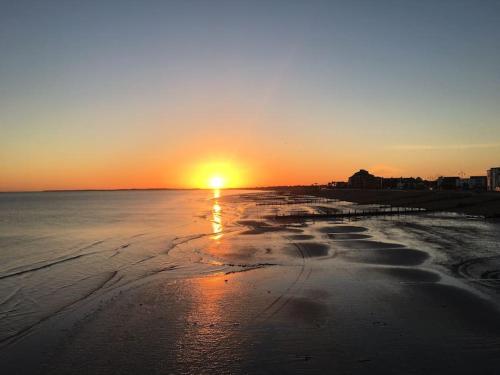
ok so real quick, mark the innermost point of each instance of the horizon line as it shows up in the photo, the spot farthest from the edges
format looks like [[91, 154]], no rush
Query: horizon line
[[146, 189]]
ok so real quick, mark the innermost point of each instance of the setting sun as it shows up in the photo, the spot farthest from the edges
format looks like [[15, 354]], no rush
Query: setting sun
[[216, 182], [216, 175]]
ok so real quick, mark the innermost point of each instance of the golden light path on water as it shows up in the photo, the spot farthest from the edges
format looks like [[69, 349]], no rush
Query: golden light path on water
[[217, 216]]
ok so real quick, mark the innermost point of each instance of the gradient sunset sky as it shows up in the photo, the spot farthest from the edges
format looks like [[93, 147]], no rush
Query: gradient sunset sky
[[131, 94]]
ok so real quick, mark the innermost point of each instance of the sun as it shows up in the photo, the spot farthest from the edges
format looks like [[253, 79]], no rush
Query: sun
[[216, 182], [215, 175]]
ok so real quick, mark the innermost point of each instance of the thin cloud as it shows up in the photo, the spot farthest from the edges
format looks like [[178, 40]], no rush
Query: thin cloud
[[446, 147]]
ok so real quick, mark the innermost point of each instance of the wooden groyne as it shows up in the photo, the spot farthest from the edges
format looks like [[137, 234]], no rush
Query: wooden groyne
[[335, 213], [285, 202]]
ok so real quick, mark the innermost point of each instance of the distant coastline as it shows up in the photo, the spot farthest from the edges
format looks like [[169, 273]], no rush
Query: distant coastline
[[135, 189], [88, 190], [124, 189]]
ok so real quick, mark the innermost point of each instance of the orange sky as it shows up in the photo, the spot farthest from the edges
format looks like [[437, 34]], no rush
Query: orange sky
[[253, 151], [246, 161]]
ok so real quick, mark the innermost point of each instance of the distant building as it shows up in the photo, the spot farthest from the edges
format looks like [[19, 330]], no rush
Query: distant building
[[493, 179], [391, 183], [404, 183], [464, 183], [449, 183], [338, 184], [478, 183], [364, 180]]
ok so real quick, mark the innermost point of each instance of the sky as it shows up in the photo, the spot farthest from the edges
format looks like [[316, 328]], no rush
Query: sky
[[137, 94]]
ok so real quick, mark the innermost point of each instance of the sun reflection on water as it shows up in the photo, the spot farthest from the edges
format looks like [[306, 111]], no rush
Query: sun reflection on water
[[216, 216]]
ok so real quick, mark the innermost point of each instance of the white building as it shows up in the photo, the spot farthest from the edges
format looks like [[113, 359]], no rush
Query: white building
[[494, 179]]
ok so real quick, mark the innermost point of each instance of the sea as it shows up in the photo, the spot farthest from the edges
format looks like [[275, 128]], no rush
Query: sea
[[60, 251]]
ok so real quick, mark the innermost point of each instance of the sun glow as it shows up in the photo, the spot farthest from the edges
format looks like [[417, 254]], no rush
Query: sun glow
[[216, 175], [216, 182]]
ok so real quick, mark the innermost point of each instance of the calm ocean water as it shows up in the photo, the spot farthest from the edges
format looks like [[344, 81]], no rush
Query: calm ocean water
[[60, 248]]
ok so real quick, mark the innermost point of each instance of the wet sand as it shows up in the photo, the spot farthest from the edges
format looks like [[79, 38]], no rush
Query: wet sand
[[316, 318], [318, 298]]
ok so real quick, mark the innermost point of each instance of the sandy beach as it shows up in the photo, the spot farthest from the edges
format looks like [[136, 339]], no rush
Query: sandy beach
[[366, 296]]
